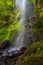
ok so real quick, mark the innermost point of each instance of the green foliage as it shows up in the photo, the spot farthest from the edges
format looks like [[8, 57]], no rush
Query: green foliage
[[4, 33], [8, 19], [38, 28], [36, 48]]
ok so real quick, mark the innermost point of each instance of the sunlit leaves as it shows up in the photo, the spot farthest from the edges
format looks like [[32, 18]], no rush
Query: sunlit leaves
[[14, 26], [9, 2], [4, 33]]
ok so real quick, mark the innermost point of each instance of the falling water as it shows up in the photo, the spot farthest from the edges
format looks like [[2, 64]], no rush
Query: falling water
[[21, 6], [26, 10]]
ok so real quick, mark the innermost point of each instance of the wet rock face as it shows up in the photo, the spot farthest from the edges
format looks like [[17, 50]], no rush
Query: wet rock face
[[22, 50], [14, 52], [12, 55], [9, 54], [30, 36]]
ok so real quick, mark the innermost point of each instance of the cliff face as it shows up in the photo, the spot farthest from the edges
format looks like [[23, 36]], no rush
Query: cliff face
[[30, 36]]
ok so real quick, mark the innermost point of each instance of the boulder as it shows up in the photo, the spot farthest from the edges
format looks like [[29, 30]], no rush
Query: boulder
[[22, 50]]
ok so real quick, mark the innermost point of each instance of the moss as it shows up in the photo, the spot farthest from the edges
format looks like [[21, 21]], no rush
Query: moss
[[32, 60], [35, 48]]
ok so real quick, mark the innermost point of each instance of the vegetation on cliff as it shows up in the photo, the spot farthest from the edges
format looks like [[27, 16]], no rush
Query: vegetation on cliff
[[9, 27], [8, 20]]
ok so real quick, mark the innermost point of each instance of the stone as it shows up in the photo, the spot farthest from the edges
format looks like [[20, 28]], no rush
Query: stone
[[22, 50]]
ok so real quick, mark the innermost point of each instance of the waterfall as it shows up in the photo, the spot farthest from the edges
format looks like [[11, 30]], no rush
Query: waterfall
[[20, 37], [26, 10]]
